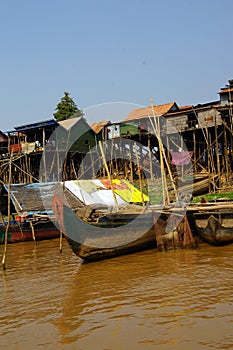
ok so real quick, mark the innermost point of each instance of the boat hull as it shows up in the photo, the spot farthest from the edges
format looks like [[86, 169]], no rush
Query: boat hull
[[100, 232], [90, 254], [111, 236], [21, 232], [216, 229]]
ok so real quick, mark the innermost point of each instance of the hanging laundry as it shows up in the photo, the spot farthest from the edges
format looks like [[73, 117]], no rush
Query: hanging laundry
[[181, 158]]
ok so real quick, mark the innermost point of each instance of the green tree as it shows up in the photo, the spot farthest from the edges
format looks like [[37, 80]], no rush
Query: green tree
[[67, 108]]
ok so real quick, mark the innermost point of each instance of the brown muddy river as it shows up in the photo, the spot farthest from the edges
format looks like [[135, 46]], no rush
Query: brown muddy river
[[149, 300]]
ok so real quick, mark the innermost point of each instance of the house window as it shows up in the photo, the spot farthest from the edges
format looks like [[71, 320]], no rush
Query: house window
[[192, 120]]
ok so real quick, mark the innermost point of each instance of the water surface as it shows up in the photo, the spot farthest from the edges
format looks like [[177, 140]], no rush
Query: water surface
[[150, 300]]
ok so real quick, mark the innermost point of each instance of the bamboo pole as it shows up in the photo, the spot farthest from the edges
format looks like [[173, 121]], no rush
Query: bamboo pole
[[74, 170], [208, 157], [163, 157], [111, 158], [194, 152], [150, 158], [108, 173], [60, 242], [139, 173], [8, 213], [156, 130], [33, 231], [226, 158], [217, 154], [92, 162], [116, 159], [131, 163]]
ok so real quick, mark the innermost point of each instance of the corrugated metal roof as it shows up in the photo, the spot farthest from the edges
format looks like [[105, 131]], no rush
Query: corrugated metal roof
[[35, 125], [147, 111], [98, 126], [31, 197], [37, 197]]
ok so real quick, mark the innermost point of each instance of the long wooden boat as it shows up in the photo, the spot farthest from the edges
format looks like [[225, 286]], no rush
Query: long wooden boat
[[198, 187], [28, 230], [214, 222], [94, 233], [29, 220]]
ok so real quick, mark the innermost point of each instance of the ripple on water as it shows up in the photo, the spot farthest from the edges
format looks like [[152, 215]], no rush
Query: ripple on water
[[148, 300]]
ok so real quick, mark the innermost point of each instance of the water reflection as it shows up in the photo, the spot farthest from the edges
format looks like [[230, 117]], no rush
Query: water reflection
[[149, 298], [178, 299]]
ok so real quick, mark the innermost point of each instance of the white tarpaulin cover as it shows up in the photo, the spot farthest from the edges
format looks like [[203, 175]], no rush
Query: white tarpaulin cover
[[92, 192]]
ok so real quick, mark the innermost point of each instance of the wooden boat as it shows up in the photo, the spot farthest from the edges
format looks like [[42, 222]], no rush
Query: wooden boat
[[28, 230], [96, 233], [199, 184], [29, 220], [214, 222]]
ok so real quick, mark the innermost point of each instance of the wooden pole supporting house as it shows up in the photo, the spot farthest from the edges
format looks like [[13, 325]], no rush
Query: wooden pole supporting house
[[44, 157], [194, 152], [111, 157], [150, 158], [92, 162], [156, 128], [182, 166], [29, 166], [168, 150], [123, 158], [212, 146], [131, 163], [211, 151], [117, 160], [109, 176], [8, 210], [226, 156], [139, 173], [74, 170], [217, 154], [208, 156]]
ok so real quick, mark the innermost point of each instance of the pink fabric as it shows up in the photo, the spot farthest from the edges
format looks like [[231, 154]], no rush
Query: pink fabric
[[181, 158]]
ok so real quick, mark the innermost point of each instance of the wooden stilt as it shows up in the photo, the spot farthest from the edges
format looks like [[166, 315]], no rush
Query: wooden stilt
[[109, 176], [188, 240], [194, 152], [139, 173], [8, 211], [131, 163], [150, 158], [156, 128], [226, 157], [60, 242], [217, 155], [44, 156]]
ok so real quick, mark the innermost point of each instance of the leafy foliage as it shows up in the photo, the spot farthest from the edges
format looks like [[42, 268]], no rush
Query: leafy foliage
[[67, 108], [214, 197]]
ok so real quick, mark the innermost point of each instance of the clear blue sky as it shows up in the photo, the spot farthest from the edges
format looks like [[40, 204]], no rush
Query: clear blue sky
[[103, 51]]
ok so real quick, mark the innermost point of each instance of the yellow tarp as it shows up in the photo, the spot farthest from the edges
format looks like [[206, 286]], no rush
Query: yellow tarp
[[126, 190]]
